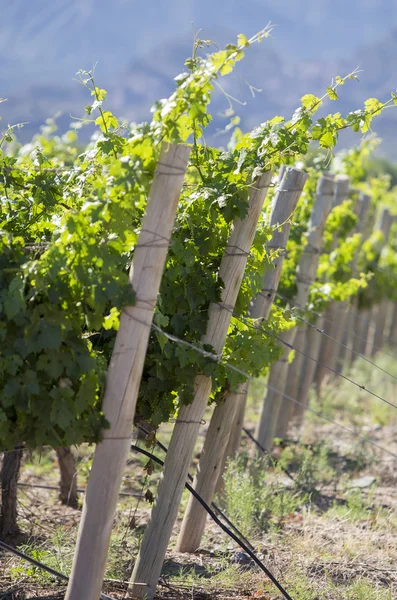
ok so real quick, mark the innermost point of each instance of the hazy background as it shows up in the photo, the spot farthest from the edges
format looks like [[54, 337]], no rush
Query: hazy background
[[141, 46]]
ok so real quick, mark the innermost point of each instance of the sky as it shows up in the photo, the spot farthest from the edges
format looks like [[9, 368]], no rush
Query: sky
[[46, 40], [139, 46]]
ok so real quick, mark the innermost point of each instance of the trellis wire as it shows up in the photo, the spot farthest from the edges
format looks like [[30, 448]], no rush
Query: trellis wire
[[79, 490], [224, 528], [317, 314], [212, 514], [214, 506], [262, 449], [291, 347], [322, 332], [216, 358]]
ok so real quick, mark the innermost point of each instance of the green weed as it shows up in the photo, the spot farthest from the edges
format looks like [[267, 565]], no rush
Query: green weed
[[256, 501], [302, 587], [311, 466]]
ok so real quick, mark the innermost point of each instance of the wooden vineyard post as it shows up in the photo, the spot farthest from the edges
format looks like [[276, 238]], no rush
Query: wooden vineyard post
[[211, 459], [362, 318], [306, 274], [260, 309], [328, 348], [238, 423], [124, 376], [336, 314], [312, 347], [380, 314], [392, 337], [379, 323], [357, 328], [383, 314], [361, 328], [180, 452], [273, 401], [313, 337], [344, 328]]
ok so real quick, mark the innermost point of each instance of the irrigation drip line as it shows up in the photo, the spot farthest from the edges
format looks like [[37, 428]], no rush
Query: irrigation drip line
[[224, 528], [291, 347], [214, 506], [40, 565], [79, 490], [263, 449], [248, 376], [253, 439], [322, 332], [33, 561]]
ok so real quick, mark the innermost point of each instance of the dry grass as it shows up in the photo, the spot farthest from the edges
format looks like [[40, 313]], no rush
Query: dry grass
[[323, 539]]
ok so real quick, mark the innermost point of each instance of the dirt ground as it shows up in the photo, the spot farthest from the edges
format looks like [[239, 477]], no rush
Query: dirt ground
[[330, 532]]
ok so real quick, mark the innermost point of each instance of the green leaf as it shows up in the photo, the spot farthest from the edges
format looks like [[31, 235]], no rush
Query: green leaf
[[185, 127], [162, 339], [100, 94], [327, 140], [61, 414], [227, 67], [160, 319], [51, 364], [373, 106], [107, 121], [112, 320], [14, 301], [86, 395], [242, 40], [311, 102], [49, 336], [332, 93]]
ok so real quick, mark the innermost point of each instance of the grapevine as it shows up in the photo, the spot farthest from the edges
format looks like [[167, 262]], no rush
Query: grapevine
[[69, 221]]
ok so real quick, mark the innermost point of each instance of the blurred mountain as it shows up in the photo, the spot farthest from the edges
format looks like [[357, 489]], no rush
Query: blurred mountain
[[141, 46]]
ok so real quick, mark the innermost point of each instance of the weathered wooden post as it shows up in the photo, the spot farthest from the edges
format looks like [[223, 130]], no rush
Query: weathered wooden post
[[313, 337], [273, 405], [361, 328], [362, 343], [312, 348], [328, 350], [344, 329], [382, 313], [211, 459], [392, 337], [124, 376], [379, 323], [238, 423], [306, 274], [180, 452]]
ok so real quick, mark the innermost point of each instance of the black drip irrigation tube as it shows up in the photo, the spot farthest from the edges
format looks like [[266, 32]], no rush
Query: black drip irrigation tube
[[224, 528], [245, 545], [40, 565], [214, 506], [259, 445]]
